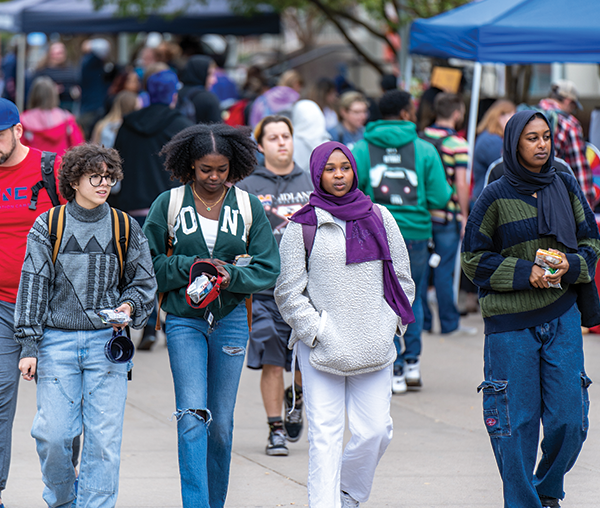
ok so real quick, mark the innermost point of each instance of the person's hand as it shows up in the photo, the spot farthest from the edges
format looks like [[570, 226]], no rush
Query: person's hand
[[226, 278], [127, 310], [28, 366], [537, 278], [561, 268]]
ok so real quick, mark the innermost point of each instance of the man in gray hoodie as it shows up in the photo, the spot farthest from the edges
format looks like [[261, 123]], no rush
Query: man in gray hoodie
[[283, 188]]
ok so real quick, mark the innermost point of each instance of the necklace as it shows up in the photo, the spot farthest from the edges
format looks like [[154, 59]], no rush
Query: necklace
[[208, 207]]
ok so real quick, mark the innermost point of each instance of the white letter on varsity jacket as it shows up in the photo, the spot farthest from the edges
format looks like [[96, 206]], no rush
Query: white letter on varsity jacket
[[230, 221]]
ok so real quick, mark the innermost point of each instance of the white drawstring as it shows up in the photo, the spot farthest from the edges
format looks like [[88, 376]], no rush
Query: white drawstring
[[294, 354]]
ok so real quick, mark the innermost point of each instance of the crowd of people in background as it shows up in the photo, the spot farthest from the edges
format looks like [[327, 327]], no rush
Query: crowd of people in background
[[319, 177]]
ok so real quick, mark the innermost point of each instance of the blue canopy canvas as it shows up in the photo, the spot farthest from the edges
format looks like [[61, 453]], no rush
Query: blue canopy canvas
[[177, 16], [513, 31]]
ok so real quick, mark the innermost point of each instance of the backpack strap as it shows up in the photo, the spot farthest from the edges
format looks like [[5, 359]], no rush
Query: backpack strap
[[176, 196], [120, 227], [56, 227], [308, 235], [243, 200], [48, 181]]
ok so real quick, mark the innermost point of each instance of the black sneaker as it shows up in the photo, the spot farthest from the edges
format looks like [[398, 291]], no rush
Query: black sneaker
[[293, 419], [276, 443], [549, 502]]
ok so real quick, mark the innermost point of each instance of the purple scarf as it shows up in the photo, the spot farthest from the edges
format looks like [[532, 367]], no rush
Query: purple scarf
[[366, 238]]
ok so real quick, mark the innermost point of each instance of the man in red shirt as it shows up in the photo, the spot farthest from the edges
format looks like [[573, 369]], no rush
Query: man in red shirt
[[568, 134], [20, 169]]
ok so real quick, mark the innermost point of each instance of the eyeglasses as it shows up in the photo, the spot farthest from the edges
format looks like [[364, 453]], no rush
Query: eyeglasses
[[96, 180]]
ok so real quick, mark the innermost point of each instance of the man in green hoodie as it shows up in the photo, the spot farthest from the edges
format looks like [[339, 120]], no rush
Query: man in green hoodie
[[405, 174]]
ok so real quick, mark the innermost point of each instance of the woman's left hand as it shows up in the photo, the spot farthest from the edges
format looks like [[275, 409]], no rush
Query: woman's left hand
[[122, 308], [226, 278], [561, 268]]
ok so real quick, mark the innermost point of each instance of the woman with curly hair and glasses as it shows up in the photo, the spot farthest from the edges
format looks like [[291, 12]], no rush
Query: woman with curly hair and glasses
[[207, 346], [63, 339]]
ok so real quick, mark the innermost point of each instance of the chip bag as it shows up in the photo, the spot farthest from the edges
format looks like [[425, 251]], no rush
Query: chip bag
[[546, 260]]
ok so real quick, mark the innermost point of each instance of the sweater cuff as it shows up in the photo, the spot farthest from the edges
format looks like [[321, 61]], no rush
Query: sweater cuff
[[521, 275], [574, 271], [29, 348]]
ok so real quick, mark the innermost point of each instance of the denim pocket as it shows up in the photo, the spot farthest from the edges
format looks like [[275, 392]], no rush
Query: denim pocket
[[495, 408], [585, 399]]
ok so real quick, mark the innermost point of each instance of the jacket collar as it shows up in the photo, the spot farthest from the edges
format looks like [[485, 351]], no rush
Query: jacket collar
[[323, 217]]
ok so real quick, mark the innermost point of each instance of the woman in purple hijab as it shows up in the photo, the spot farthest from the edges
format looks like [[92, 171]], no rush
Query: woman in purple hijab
[[345, 289]]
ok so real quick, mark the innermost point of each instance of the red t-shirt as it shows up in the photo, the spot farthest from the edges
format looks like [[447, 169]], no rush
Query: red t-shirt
[[16, 218]]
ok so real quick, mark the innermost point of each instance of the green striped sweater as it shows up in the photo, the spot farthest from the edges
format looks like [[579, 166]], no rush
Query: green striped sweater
[[499, 247]]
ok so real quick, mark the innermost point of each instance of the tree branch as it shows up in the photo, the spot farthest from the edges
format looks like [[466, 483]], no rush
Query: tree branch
[[331, 17], [366, 26]]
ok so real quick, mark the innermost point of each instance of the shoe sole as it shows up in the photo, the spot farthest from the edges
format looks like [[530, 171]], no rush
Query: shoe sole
[[277, 452], [414, 383], [294, 439]]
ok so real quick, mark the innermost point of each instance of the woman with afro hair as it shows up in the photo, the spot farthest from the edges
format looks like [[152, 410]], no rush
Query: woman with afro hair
[[207, 346]]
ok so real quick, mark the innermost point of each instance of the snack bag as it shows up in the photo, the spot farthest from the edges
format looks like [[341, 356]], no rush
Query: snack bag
[[111, 317], [198, 289], [546, 260]]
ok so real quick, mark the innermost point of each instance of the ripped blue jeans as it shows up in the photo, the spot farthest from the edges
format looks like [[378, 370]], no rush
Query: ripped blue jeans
[[206, 367], [531, 376]]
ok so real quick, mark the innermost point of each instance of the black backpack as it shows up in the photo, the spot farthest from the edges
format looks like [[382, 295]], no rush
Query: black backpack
[[186, 105], [47, 182]]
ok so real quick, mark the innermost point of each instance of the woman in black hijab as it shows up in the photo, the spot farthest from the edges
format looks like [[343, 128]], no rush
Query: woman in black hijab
[[534, 366]]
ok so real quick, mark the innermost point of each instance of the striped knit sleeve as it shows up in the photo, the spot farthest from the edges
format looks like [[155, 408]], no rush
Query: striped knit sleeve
[[31, 309], [481, 260], [582, 264]]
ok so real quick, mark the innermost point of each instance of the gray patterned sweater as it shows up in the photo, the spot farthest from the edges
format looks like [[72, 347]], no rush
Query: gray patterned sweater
[[84, 280]]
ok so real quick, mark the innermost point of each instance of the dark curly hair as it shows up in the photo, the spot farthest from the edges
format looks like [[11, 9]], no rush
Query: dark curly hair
[[196, 141], [86, 159], [393, 102]]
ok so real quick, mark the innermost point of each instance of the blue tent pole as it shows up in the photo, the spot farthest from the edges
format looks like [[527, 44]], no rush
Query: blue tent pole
[[473, 115], [471, 140], [408, 73]]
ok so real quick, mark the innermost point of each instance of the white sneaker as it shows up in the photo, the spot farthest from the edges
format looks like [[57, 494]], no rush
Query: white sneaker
[[399, 384], [413, 374], [461, 330], [348, 501]]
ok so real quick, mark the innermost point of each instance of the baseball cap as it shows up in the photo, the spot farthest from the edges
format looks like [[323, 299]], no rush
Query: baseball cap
[[566, 89], [9, 114], [161, 87]]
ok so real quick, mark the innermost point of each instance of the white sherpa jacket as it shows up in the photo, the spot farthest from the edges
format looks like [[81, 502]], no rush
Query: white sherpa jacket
[[339, 310]]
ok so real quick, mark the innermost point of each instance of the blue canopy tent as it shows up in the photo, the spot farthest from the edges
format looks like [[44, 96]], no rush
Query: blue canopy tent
[[177, 16], [510, 32], [79, 16]]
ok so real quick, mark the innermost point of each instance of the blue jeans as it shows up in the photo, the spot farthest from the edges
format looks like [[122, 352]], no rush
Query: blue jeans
[[9, 385], [417, 252], [77, 386], [206, 366], [534, 375], [447, 239]]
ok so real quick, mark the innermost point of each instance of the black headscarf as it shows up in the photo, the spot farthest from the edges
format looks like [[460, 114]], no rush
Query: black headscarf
[[555, 213]]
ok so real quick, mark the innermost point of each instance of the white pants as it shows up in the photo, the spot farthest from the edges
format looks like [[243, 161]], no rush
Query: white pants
[[367, 398]]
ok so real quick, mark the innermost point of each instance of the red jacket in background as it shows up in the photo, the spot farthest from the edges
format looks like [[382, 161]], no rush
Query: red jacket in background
[[52, 130]]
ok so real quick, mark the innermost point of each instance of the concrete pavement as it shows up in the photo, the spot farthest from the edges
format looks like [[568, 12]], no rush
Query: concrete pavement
[[440, 454]]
